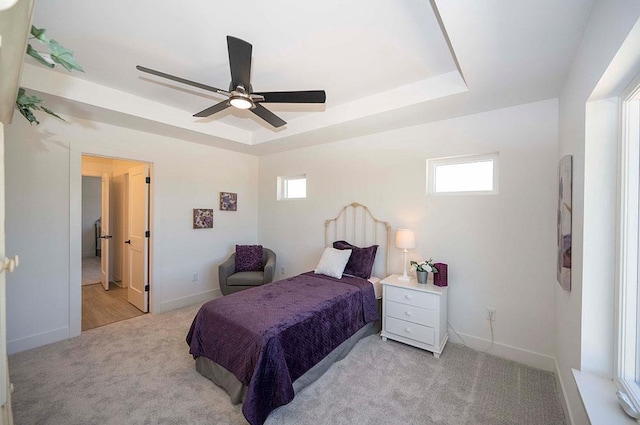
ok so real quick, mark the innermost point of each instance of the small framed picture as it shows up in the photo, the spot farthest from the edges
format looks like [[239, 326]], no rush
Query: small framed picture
[[228, 201], [203, 218]]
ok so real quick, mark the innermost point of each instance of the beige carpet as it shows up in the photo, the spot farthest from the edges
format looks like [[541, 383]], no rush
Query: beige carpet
[[139, 372]]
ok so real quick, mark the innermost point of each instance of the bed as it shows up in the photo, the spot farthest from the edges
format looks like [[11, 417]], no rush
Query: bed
[[265, 344]]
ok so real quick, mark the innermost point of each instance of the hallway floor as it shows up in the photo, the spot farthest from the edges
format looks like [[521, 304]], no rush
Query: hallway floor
[[91, 270], [100, 307]]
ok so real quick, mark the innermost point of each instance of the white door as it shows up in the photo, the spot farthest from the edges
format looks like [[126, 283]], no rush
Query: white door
[[139, 242], [105, 235], [5, 401]]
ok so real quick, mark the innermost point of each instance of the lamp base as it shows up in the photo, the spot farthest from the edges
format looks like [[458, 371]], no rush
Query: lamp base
[[405, 277]]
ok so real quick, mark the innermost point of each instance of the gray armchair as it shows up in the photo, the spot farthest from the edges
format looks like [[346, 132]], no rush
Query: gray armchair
[[231, 282]]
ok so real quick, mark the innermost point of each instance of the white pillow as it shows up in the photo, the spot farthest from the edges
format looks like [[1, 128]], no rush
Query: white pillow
[[333, 262]]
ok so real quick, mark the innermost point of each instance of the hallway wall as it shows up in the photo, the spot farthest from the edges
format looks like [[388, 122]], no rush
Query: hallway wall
[[91, 211]]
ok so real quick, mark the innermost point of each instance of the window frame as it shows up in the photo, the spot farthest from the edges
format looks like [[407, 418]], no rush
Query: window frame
[[282, 193], [627, 345], [432, 163]]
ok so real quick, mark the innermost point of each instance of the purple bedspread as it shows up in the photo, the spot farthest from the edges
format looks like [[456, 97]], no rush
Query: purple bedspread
[[271, 335]]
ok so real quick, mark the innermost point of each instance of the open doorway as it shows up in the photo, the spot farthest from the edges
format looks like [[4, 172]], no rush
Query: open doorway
[[115, 230], [91, 228]]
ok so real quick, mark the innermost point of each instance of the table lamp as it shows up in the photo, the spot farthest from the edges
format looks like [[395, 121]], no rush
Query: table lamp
[[405, 239]]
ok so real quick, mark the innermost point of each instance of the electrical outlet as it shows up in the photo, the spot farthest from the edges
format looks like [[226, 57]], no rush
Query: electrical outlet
[[195, 277], [282, 270], [491, 314]]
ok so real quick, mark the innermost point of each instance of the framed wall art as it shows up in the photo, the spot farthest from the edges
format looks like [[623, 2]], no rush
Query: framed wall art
[[564, 221], [202, 218], [228, 201]]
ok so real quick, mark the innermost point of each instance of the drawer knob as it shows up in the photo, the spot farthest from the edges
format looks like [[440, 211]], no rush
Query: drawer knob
[[408, 313], [408, 296], [408, 330]]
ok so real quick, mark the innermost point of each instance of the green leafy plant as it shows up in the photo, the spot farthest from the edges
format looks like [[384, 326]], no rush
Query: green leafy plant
[[424, 266], [58, 54]]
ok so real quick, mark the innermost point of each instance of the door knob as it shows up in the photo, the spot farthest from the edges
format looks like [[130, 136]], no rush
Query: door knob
[[128, 241], [10, 264], [106, 237]]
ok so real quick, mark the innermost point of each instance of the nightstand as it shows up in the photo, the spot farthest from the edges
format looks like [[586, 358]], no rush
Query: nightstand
[[414, 313]]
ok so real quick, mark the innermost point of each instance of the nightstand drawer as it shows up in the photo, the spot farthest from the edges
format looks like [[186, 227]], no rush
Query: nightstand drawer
[[407, 296], [419, 333], [410, 313]]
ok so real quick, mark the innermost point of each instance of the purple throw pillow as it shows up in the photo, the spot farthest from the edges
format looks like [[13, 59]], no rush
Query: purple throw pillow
[[248, 258], [360, 263]]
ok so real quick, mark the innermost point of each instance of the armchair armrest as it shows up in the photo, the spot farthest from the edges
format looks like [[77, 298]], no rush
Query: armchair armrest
[[226, 269], [270, 267]]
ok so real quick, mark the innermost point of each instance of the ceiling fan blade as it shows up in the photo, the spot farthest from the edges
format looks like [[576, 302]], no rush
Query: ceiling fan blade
[[239, 62], [268, 116], [308, 96], [182, 80], [213, 109]]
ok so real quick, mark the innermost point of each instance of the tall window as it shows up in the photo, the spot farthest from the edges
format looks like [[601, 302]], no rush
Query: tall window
[[463, 175], [292, 187], [628, 302]]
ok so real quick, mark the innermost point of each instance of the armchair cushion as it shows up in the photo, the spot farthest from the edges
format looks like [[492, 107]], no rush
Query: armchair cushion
[[248, 258], [246, 279]]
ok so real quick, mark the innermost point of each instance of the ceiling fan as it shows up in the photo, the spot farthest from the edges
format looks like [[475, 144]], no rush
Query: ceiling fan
[[240, 94]]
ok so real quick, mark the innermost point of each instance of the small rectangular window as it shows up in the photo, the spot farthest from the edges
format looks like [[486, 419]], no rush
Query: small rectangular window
[[477, 174], [292, 187]]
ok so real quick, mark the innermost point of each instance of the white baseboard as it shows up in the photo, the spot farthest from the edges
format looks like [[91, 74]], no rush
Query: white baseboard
[[537, 360], [38, 340], [60, 334], [564, 400], [187, 301]]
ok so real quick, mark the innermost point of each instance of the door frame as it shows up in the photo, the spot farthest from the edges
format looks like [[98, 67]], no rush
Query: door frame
[[75, 225]]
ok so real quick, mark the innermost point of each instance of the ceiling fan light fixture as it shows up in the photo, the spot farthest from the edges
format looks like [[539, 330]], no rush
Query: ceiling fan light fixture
[[240, 102]]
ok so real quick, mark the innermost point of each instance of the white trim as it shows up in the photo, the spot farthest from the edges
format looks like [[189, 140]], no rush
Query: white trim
[[37, 340], [529, 358], [627, 253], [598, 395], [75, 242], [200, 298], [563, 391], [75, 224], [432, 163]]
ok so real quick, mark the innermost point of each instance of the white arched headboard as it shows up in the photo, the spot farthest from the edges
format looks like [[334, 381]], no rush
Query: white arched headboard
[[357, 225]]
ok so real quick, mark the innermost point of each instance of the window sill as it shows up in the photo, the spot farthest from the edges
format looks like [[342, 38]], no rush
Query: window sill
[[599, 399]]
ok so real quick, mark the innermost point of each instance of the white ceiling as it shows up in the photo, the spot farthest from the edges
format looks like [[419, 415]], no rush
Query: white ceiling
[[384, 64]]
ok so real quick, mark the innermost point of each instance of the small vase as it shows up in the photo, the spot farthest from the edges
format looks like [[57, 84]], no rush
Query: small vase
[[422, 276]]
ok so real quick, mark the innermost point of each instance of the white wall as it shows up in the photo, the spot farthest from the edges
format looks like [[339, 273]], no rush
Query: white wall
[[609, 24], [43, 200], [91, 211], [500, 249]]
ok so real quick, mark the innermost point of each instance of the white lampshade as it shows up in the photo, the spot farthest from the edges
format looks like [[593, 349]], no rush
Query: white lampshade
[[405, 239]]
